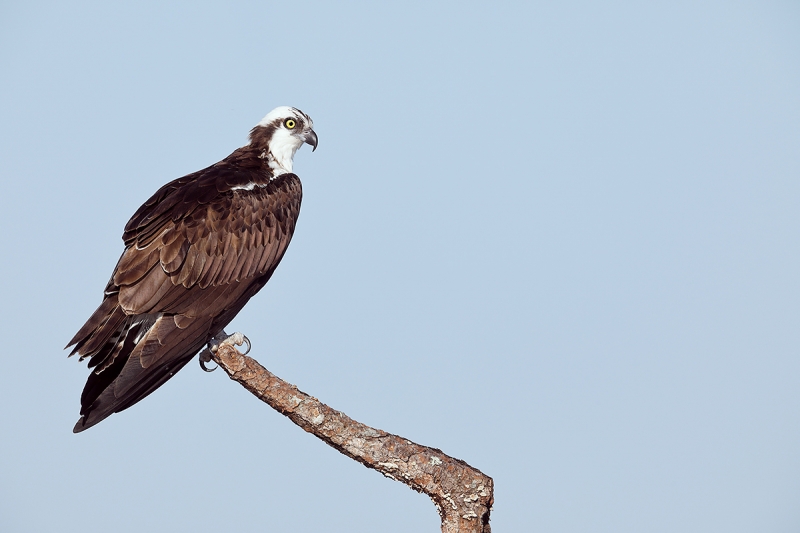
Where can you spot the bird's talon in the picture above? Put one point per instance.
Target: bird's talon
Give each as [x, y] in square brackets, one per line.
[205, 357]
[236, 339]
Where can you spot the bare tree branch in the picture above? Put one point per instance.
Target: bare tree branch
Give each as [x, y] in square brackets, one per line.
[463, 495]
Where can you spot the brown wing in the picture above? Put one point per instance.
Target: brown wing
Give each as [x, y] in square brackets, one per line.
[240, 236]
[195, 254]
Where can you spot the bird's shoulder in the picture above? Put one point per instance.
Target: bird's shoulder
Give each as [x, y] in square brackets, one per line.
[242, 181]
[222, 224]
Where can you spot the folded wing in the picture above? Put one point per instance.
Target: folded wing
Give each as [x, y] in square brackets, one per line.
[195, 253]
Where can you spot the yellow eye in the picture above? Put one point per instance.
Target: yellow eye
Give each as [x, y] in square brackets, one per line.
[290, 123]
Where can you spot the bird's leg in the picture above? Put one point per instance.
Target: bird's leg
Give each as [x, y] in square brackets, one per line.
[237, 339]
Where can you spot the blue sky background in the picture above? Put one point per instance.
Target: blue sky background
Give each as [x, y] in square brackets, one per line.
[556, 240]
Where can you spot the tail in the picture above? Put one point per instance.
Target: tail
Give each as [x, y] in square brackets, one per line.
[131, 356]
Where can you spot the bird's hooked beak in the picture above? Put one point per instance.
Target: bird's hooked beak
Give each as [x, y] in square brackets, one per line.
[310, 137]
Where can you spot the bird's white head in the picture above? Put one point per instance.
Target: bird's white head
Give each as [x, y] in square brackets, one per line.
[282, 132]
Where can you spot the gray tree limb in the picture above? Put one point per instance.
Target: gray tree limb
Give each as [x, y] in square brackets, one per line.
[462, 494]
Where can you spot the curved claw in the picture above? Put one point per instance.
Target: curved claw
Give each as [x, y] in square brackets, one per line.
[204, 358]
[205, 368]
[246, 341]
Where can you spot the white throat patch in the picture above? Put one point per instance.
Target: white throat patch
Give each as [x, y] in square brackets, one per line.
[284, 143]
[282, 148]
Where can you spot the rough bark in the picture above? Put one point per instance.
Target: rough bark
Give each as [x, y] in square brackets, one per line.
[462, 494]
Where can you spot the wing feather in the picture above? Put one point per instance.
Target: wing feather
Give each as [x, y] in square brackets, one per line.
[211, 269]
[240, 262]
[197, 268]
[171, 248]
[185, 273]
[103, 334]
[98, 318]
[196, 251]
[176, 263]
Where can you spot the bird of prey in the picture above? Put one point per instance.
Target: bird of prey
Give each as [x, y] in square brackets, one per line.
[195, 253]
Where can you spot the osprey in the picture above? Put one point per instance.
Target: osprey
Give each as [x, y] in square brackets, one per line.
[195, 253]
